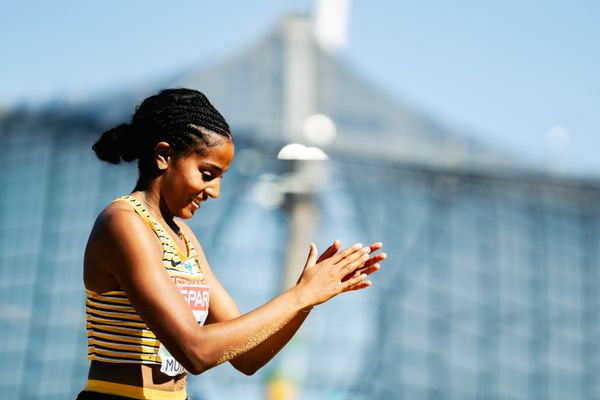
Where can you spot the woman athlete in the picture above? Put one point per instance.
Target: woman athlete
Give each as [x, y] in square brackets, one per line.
[149, 285]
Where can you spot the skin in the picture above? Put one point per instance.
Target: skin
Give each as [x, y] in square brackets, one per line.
[248, 341]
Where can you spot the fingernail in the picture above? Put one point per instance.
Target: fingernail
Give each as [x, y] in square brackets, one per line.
[357, 246]
[365, 257]
[384, 255]
[366, 250]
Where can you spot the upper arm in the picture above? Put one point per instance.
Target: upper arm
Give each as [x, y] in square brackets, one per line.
[222, 307]
[127, 249]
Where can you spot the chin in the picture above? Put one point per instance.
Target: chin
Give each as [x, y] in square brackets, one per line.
[185, 214]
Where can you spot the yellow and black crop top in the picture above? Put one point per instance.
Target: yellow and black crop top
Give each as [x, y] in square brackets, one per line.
[115, 331]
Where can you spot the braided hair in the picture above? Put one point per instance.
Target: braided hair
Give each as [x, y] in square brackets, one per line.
[183, 118]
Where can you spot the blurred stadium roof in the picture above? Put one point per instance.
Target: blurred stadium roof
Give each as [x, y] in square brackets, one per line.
[254, 89]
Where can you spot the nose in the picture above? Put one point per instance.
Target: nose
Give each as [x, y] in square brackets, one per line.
[214, 188]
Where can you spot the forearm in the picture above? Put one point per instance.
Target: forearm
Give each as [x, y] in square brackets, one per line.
[256, 358]
[203, 347]
[224, 341]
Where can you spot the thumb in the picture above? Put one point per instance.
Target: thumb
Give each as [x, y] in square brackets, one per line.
[312, 256]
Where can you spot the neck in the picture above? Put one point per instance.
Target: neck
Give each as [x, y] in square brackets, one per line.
[153, 201]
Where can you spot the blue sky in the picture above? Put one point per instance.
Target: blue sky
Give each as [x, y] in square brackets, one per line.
[519, 74]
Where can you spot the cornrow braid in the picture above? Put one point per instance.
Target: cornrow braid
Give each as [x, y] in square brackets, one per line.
[184, 118]
[207, 117]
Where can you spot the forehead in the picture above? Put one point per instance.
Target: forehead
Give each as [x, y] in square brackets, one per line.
[219, 155]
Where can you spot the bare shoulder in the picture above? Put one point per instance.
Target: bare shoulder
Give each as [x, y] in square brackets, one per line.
[118, 233]
[117, 219]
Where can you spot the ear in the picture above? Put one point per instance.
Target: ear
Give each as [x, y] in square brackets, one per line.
[163, 154]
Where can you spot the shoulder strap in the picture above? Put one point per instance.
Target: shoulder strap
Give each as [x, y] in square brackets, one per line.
[162, 234]
[139, 208]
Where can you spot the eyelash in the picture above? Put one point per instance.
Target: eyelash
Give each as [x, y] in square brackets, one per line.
[208, 176]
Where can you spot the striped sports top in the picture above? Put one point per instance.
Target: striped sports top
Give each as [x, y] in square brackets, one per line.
[115, 331]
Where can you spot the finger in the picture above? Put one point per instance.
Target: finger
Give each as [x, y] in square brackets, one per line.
[368, 270]
[355, 280]
[358, 286]
[355, 253]
[353, 262]
[375, 259]
[363, 270]
[346, 252]
[330, 251]
[312, 256]
[360, 256]
[376, 246]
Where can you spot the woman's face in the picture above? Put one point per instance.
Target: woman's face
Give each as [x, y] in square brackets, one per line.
[190, 180]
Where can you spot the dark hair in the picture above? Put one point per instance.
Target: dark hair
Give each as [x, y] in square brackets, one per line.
[183, 118]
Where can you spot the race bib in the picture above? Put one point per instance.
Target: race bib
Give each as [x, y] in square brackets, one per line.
[197, 296]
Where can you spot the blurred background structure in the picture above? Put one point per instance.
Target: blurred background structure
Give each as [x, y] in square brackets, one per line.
[491, 287]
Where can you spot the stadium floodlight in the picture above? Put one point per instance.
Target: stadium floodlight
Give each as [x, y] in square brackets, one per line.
[300, 152]
[331, 24]
[319, 129]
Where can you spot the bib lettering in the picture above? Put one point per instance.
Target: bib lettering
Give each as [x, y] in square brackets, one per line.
[197, 296]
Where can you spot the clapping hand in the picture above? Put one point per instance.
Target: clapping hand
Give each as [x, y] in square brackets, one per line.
[335, 272]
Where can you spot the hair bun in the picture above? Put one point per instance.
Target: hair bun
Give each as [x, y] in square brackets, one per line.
[117, 144]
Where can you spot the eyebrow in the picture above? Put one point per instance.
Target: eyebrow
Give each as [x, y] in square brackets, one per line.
[215, 166]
